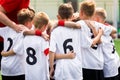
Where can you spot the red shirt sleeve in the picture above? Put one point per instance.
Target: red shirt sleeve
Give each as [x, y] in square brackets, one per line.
[10, 5]
[46, 51]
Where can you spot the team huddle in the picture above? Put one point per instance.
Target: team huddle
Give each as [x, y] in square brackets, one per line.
[67, 50]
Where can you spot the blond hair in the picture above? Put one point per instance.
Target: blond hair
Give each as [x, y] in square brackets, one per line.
[101, 12]
[88, 7]
[40, 19]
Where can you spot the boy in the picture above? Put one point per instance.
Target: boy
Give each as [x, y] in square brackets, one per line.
[111, 57]
[12, 67]
[92, 57]
[35, 51]
[64, 40]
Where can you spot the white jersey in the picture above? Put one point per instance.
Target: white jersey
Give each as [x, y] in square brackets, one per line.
[11, 65]
[62, 41]
[111, 57]
[36, 58]
[92, 57]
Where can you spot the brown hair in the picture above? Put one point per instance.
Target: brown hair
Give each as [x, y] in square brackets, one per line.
[101, 12]
[40, 19]
[65, 11]
[88, 7]
[25, 15]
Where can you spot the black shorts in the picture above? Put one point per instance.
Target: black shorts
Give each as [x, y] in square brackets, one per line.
[91, 74]
[1, 48]
[112, 78]
[19, 77]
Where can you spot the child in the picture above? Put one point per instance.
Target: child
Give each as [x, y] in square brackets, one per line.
[111, 58]
[64, 40]
[12, 67]
[92, 56]
[35, 51]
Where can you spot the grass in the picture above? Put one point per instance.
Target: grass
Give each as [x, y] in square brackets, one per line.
[117, 45]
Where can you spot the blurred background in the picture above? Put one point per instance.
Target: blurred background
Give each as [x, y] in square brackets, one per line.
[51, 6]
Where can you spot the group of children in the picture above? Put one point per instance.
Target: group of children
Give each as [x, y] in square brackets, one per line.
[82, 50]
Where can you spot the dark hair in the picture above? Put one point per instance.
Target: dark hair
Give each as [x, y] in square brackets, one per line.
[25, 15]
[65, 11]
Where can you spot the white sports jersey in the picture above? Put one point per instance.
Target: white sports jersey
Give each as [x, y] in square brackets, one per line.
[92, 57]
[11, 65]
[62, 41]
[111, 58]
[36, 58]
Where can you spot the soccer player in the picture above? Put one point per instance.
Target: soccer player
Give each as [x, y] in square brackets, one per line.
[66, 39]
[35, 50]
[92, 57]
[12, 67]
[111, 57]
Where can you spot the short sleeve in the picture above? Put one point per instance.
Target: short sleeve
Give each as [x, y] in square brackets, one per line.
[10, 5]
[19, 45]
[52, 42]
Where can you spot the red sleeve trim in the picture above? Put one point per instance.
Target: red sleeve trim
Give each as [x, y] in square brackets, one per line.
[38, 33]
[46, 51]
[61, 23]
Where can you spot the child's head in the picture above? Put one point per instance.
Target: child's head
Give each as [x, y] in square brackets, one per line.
[24, 16]
[100, 15]
[65, 11]
[87, 9]
[41, 20]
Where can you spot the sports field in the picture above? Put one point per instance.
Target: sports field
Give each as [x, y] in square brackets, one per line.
[117, 46]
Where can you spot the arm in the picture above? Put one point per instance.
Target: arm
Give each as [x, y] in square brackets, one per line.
[97, 38]
[68, 24]
[8, 53]
[37, 33]
[51, 62]
[6, 21]
[92, 27]
[69, 55]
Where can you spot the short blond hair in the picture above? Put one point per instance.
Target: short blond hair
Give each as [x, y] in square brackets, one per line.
[40, 19]
[88, 7]
[101, 12]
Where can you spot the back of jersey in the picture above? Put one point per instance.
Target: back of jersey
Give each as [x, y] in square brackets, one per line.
[62, 41]
[36, 60]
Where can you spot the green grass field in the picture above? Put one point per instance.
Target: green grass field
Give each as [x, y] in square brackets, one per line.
[117, 46]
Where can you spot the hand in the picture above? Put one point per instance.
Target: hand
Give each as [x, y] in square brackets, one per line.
[71, 55]
[19, 28]
[100, 31]
[90, 24]
[51, 72]
[2, 53]
[45, 35]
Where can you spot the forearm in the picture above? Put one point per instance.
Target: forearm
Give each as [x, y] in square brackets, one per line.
[29, 32]
[8, 53]
[96, 40]
[51, 59]
[6, 21]
[61, 56]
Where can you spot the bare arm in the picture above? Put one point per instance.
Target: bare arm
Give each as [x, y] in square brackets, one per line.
[8, 53]
[51, 62]
[6, 21]
[69, 55]
[97, 38]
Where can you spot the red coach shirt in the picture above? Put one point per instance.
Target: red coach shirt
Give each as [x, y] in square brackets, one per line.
[12, 7]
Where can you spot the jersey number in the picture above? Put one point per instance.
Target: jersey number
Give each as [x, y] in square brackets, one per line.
[65, 46]
[11, 42]
[31, 59]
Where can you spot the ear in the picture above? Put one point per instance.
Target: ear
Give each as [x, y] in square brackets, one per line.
[58, 17]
